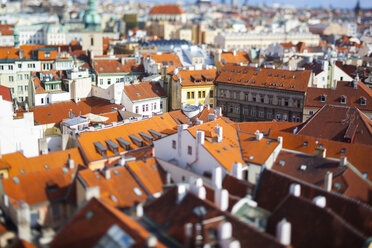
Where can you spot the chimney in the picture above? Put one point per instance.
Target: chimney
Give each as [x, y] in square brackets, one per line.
[107, 174]
[188, 234]
[283, 232]
[198, 122]
[217, 177]
[122, 161]
[237, 170]
[181, 192]
[320, 152]
[224, 230]
[328, 181]
[70, 162]
[280, 139]
[234, 52]
[212, 117]
[151, 241]
[23, 222]
[200, 137]
[218, 131]
[259, 135]
[200, 191]
[355, 82]
[343, 161]
[295, 189]
[218, 111]
[221, 199]
[320, 201]
[91, 192]
[139, 210]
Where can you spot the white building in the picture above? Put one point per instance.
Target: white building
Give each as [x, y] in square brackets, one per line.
[17, 134]
[145, 98]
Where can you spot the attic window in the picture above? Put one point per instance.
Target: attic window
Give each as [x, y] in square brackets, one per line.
[233, 70]
[255, 73]
[292, 86]
[88, 215]
[239, 80]
[343, 150]
[113, 198]
[363, 101]
[365, 175]
[123, 143]
[112, 146]
[146, 137]
[337, 185]
[138, 94]
[251, 157]
[283, 76]
[230, 79]
[277, 75]
[101, 149]
[136, 140]
[343, 99]
[253, 82]
[245, 72]
[171, 62]
[306, 143]
[247, 81]
[232, 146]
[117, 68]
[303, 167]
[270, 74]
[101, 68]
[116, 173]
[165, 63]
[281, 163]
[16, 180]
[323, 98]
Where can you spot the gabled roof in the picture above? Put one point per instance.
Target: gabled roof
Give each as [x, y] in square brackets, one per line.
[239, 57]
[19, 164]
[312, 224]
[227, 152]
[332, 96]
[93, 221]
[144, 90]
[40, 187]
[172, 215]
[5, 93]
[188, 77]
[273, 188]
[339, 123]
[171, 60]
[265, 77]
[256, 151]
[312, 169]
[120, 190]
[162, 124]
[115, 66]
[166, 9]
[56, 112]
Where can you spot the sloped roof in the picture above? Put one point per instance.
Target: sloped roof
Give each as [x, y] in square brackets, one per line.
[187, 77]
[144, 90]
[56, 112]
[166, 9]
[115, 66]
[333, 96]
[265, 126]
[5, 93]
[92, 221]
[339, 123]
[265, 77]
[230, 58]
[19, 164]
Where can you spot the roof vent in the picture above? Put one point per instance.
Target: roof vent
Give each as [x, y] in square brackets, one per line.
[303, 167]
[137, 191]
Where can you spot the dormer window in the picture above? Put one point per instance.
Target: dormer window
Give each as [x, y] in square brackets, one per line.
[323, 98]
[363, 101]
[343, 99]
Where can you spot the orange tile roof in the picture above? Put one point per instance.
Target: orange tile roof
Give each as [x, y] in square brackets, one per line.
[265, 77]
[39, 187]
[355, 153]
[41, 55]
[150, 173]
[256, 151]
[265, 126]
[171, 59]
[19, 164]
[114, 66]
[119, 190]
[167, 9]
[240, 57]
[332, 96]
[228, 151]
[95, 218]
[5, 93]
[56, 112]
[113, 117]
[188, 76]
[162, 124]
[144, 90]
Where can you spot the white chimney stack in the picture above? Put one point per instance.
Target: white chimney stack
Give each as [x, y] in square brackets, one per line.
[200, 137]
[237, 170]
[280, 139]
[259, 135]
[320, 201]
[224, 230]
[328, 181]
[151, 241]
[355, 82]
[283, 232]
[218, 131]
[343, 161]
[71, 164]
[107, 174]
[139, 211]
[295, 189]
[221, 199]
[217, 177]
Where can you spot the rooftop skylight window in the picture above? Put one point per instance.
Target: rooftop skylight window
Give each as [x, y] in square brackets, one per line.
[137, 191]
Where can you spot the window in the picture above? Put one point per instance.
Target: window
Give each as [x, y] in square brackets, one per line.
[234, 95]
[246, 97]
[253, 112]
[117, 80]
[1, 67]
[363, 101]
[91, 41]
[19, 65]
[211, 93]
[47, 54]
[20, 88]
[189, 150]
[42, 100]
[47, 99]
[26, 76]
[188, 95]
[143, 108]
[136, 109]
[343, 99]
[261, 114]
[109, 81]
[311, 112]
[322, 98]
[269, 115]
[20, 99]
[147, 107]
[10, 67]
[161, 105]
[11, 79]
[199, 94]
[154, 105]
[101, 81]
[12, 90]
[19, 76]
[245, 110]
[174, 144]
[192, 95]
